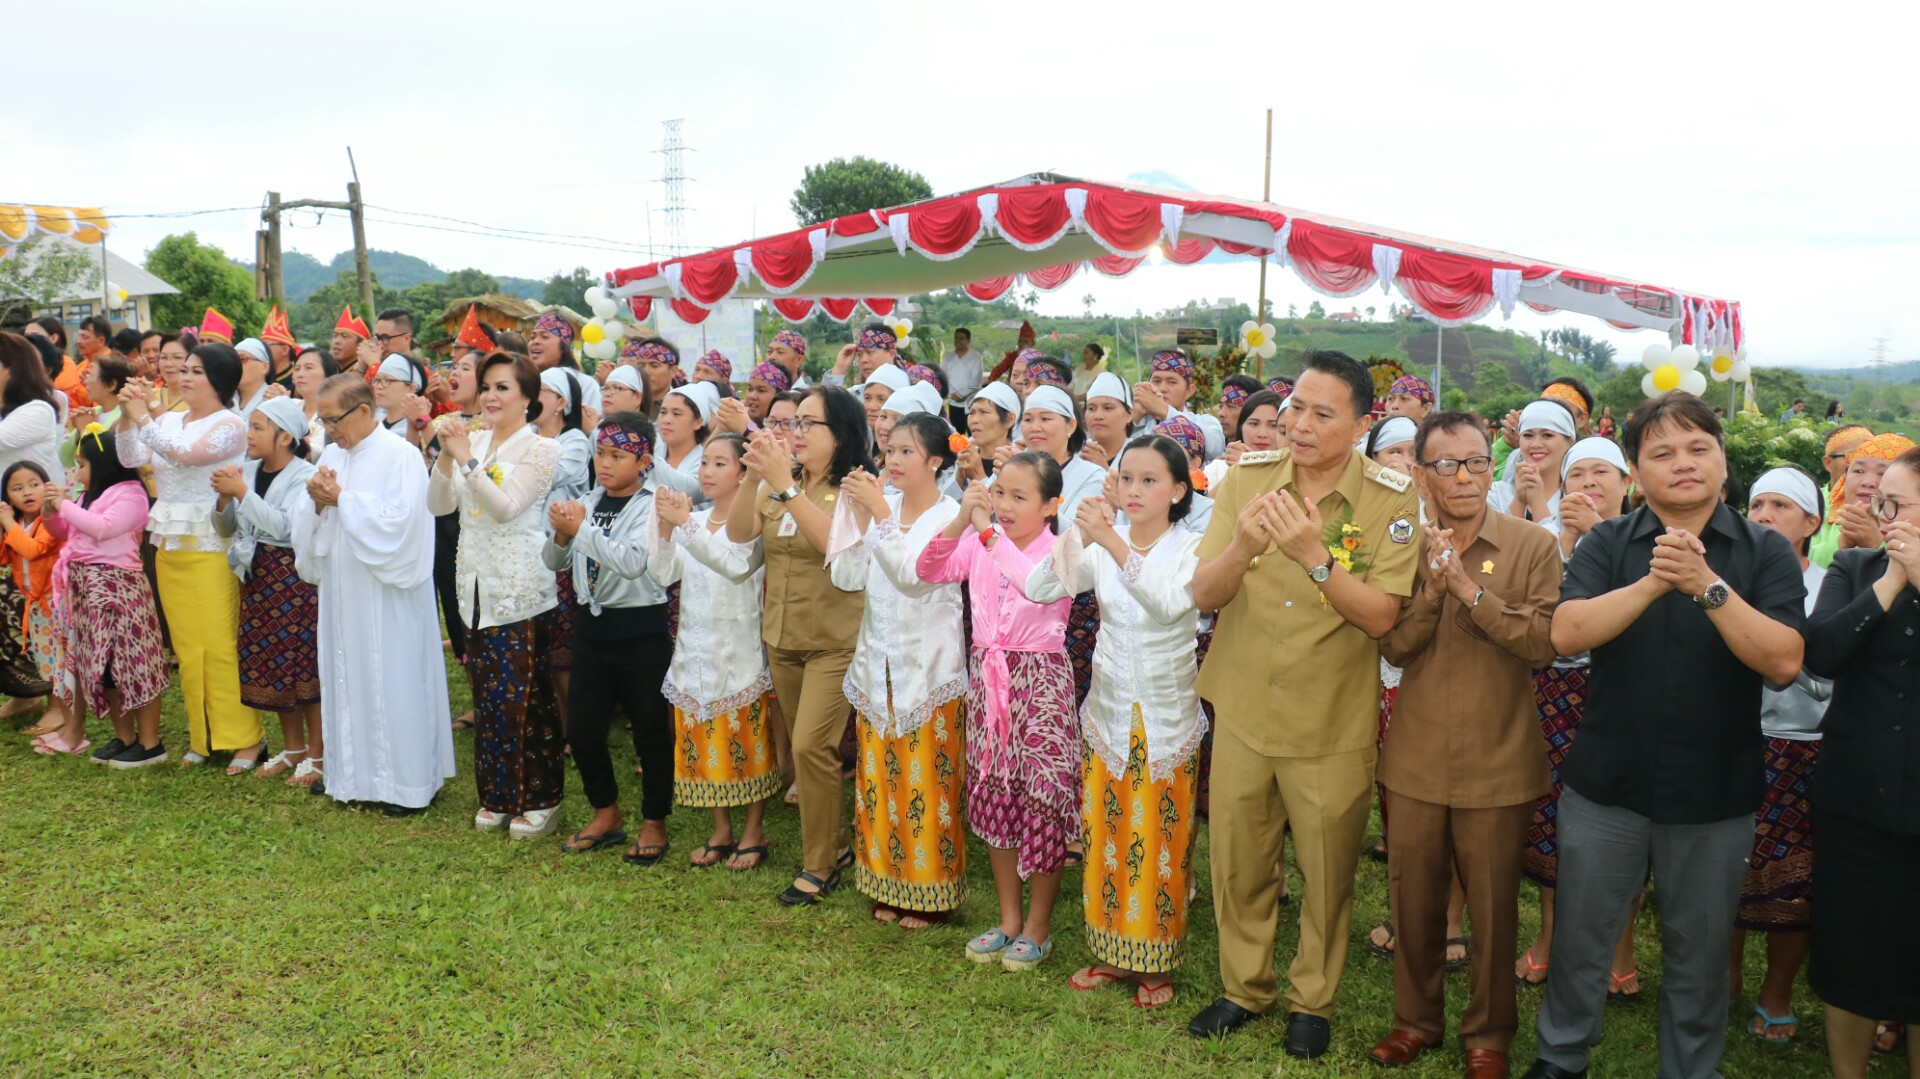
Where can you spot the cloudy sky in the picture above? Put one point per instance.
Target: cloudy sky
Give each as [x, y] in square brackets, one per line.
[1706, 147]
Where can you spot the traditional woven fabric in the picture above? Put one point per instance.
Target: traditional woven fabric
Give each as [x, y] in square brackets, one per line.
[1414, 386]
[1139, 859]
[725, 761]
[1561, 694]
[113, 636]
[279, 614]
[559, 656]
[1205, 785]
[910, 845]
[518, 759]
[791, 339]
[1028, 799]
[1083, 629]
[1778, 891]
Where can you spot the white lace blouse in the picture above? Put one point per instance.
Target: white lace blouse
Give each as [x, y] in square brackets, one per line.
[503, 526]
[183, 456]
[719, 662]
[912, 639]
[1144, 655]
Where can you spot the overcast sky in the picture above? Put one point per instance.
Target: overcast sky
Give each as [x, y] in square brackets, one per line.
[1708, 147]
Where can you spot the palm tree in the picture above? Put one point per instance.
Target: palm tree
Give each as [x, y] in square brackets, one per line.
[1087, 302]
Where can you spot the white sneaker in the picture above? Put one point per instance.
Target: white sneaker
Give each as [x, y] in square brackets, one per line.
[535, 823]
[488, 821]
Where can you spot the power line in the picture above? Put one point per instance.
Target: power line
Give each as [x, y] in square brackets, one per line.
[495, 228]
[625, 249]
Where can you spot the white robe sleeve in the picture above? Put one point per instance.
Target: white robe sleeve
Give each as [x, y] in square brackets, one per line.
[383, 521]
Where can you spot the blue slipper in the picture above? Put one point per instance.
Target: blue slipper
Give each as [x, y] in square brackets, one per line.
[1768, 1022]
[1024, 954]
[987, 947]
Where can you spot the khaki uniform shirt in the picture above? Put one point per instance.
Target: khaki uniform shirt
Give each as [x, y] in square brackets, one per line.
[804, 611]
[1286, 674]
[1466, 731]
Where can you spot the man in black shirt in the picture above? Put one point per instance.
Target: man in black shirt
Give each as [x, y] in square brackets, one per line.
[1686, 606]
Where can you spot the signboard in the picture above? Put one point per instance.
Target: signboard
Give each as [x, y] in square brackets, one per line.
[1196, 335]
[729, 329]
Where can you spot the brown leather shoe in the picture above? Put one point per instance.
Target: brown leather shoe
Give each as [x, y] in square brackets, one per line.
[1486, 1064]
[1398, 1049]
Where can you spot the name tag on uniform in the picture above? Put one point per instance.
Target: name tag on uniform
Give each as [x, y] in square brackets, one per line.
[788, 526]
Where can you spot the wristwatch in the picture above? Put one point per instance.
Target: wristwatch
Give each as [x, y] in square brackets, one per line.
[1320, 573]
[472, 463]
[792, 492]
[1715, 596]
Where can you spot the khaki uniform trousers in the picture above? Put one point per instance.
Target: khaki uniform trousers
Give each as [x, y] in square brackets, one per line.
[1327, 800]
[815, 709]
[1425, 844]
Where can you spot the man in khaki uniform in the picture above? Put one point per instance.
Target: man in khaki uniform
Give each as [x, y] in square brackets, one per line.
[1308, 555]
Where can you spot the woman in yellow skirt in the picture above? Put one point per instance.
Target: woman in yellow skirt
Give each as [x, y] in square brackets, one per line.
[1142, 720]
[198, 590]
[908, 678]
[718, 682]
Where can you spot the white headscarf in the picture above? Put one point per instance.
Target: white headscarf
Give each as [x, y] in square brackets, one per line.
[890, 375]
[1549, 416]
[398, 368]
[1051, 399]
[919, 397]
[1394, 431]
[1591, 448]
[286, 414]
[252, 347]
[1108, 384]
[704, 397]
[624, 375]
[1001, 395]
[1790, 484]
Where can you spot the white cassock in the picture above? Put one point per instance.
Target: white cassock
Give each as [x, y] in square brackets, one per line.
[383, 680]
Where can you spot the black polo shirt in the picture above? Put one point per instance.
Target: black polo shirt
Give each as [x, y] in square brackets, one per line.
[1672, 723]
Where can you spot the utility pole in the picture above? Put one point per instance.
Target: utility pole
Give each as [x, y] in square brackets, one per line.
[1266, 195]
[270, 272]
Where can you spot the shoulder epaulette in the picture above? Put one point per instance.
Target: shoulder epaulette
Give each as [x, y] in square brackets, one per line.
[1263, 457]
[1387, 477]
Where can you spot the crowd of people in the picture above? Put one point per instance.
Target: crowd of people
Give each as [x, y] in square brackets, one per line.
[1071, 615]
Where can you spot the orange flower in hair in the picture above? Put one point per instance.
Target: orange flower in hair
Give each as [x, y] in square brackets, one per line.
[958, 442]
[1197, 480]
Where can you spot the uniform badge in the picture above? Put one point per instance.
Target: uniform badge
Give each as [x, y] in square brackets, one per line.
[1401, 530]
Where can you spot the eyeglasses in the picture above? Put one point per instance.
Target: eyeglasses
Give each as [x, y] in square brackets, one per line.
[383, 338]
[335, 421]
[802, 425]
[1447, 466]
[779, 425]
[383, 380]
[1889, 508]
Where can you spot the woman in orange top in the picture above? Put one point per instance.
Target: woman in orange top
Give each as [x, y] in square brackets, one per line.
[30, 553]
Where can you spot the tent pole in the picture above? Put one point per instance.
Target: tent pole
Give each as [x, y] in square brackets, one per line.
[1439, 351]
[1266, 195]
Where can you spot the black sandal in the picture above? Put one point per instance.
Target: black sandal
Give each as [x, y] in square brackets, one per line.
[1465, 943]
[593, 842]
[845, 860]
[636, 856]
[795, 896]
[722, 852]
[1384, 951]
[1073, 859]
[759, 852]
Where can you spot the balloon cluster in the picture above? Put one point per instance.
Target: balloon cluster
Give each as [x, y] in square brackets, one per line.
[1729, 365]
[1257, 339]
[902, 332]
[600, 337]
[1669, 369]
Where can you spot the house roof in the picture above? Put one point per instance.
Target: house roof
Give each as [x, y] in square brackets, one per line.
[86, 286]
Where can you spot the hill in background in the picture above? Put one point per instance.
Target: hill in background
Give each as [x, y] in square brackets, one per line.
[396, 270]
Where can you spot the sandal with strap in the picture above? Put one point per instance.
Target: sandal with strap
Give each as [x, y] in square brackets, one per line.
[280, 763]
[1465, 944]
[309, 766]
[534, 823]
[758, 854]
[1384, 951]
[1768, 1022]
[241, 765]
[1883, 1028]
[720, 852]
[795, 896]
[1532, 969]
[1087, 979]
[1143, 993]
[1617, 991]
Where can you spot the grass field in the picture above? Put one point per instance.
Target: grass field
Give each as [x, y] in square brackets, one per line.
[169, 923]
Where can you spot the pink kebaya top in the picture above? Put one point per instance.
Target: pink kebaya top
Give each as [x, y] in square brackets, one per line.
[107, 532]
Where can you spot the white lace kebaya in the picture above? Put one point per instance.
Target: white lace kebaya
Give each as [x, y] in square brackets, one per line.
[183, 456]
[719, 661]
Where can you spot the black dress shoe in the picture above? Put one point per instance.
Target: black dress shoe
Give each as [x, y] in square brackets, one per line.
[1307, 1035]
[1223, 1016]
[1546, 1069]
[392, 810]
[317, 787]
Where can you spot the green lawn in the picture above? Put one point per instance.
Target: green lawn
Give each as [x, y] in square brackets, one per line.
[161, 923]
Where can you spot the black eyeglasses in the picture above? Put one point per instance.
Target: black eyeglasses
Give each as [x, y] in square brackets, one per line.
[335, 421]
[1889, 508]
[1447, 466]
[383, 338]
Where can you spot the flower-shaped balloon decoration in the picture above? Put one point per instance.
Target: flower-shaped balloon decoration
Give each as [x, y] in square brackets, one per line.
[600, 338]
[1721, 367]
[1257, 339]
[1670, 369]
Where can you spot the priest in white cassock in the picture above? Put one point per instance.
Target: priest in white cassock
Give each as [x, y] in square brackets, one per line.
[361, 531]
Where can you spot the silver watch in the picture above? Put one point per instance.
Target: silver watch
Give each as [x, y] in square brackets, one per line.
[1320, 573]
[1715, 597]
[792, 492]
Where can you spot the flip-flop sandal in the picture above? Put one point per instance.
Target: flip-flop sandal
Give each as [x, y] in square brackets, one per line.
[1881, 1030]
[1087, 979]
[1526, 980]
[1073, 859]
[1768, 1022]
[1616, 987]
[760, 856]
[845, 861]
[463, 723]
[721, 852]
[1384, 951]
[927, 919]
[1465, 961]
[638, 856]
[1142, 990]
[593, 842]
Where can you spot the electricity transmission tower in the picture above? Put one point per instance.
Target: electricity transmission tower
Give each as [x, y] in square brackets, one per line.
[674, 176]
[1880, 358]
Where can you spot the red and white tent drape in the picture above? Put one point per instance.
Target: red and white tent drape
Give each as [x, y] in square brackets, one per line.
[1043, 230]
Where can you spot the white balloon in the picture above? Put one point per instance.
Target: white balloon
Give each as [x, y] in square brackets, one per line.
[1694, 382]
[614, 329]
[1647, 387]
[1655, 355]
[1718, 375]
[1740, 370]
[1740, 353]
[602, 349]
[604, 308]
[1686, 357]
[595, 295]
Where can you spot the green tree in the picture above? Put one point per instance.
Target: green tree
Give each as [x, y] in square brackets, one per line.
[1491, 378]
[1314, 310]
[314, 319]
[570, 288]
[850, 186]
[206, 278]
[40, 271]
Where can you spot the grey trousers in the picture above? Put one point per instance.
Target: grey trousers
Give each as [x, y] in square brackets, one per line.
[1604, 853]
